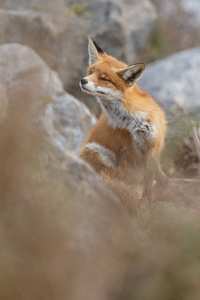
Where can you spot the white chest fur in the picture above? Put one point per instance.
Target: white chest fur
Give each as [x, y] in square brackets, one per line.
[142, 131]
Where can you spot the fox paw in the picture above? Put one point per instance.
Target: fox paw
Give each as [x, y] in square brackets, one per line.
[142, 139]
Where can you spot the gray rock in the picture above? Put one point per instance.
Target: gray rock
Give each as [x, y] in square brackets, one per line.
[62, 229]
[49, 6]
[60, 42]
[71, 122]
[125, 27]
[122, 24]
[32, 86]
[59, 35]
[63, 234]
[175, 80]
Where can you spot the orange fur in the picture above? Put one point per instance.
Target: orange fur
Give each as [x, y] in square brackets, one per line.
[134, 100]
[111, 138]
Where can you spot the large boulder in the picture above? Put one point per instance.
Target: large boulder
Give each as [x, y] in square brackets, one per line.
[30, 85]
[58, 32]
[64, 234]
[123, 26]
[175, 80]
[60, 41]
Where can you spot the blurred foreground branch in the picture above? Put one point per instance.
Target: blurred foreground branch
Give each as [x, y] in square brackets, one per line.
[196, 137]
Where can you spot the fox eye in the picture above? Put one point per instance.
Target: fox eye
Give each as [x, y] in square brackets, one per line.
[105, 79]
[89, 72]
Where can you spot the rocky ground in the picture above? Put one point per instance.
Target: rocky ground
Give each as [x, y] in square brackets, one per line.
[64, 234]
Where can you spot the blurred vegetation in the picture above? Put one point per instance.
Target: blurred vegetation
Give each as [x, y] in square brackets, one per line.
[37, 258]
[179, 156]
[156, 47]
[78, 10]
[168, 266]
[37, 7]
[175, 30]
[37, 261]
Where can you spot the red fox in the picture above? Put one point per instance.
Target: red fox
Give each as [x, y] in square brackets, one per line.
[130, 132]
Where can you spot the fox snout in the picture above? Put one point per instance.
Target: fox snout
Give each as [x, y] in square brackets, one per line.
[83, 81]
[87, 86]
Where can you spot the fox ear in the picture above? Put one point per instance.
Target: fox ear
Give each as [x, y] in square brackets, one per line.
[131, 74]
[94, 51]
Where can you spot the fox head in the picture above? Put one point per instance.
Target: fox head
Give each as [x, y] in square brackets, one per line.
[108, 78]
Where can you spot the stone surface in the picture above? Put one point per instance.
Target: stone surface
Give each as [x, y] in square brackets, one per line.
[122, 24]
[58, 32]
[63, 234]
[32, 86]
[125, 27]
[69, 236]
[175, 80]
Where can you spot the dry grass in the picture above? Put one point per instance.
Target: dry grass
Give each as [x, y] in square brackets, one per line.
[58, 239]
[175, 30]
[62, 242]
[37, 261]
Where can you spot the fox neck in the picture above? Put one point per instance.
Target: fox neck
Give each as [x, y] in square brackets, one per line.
[136, 123]
[120, 117]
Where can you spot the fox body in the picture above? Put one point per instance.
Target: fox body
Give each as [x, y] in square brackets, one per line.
[130, 132]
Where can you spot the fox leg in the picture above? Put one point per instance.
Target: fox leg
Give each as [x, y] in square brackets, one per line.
[101, 158]
[111, 167]
[144, 141]
[105, 160]
[143, 138]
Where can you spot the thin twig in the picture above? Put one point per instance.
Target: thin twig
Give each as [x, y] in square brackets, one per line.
[186, 180]
[196, 137]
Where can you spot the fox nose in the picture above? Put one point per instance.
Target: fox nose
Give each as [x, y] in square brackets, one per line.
[84, 81]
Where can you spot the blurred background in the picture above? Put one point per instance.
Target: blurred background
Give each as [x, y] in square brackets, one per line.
[64, 234]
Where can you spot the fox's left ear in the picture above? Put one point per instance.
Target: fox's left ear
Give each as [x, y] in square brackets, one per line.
[94, 51]
[131, 74]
